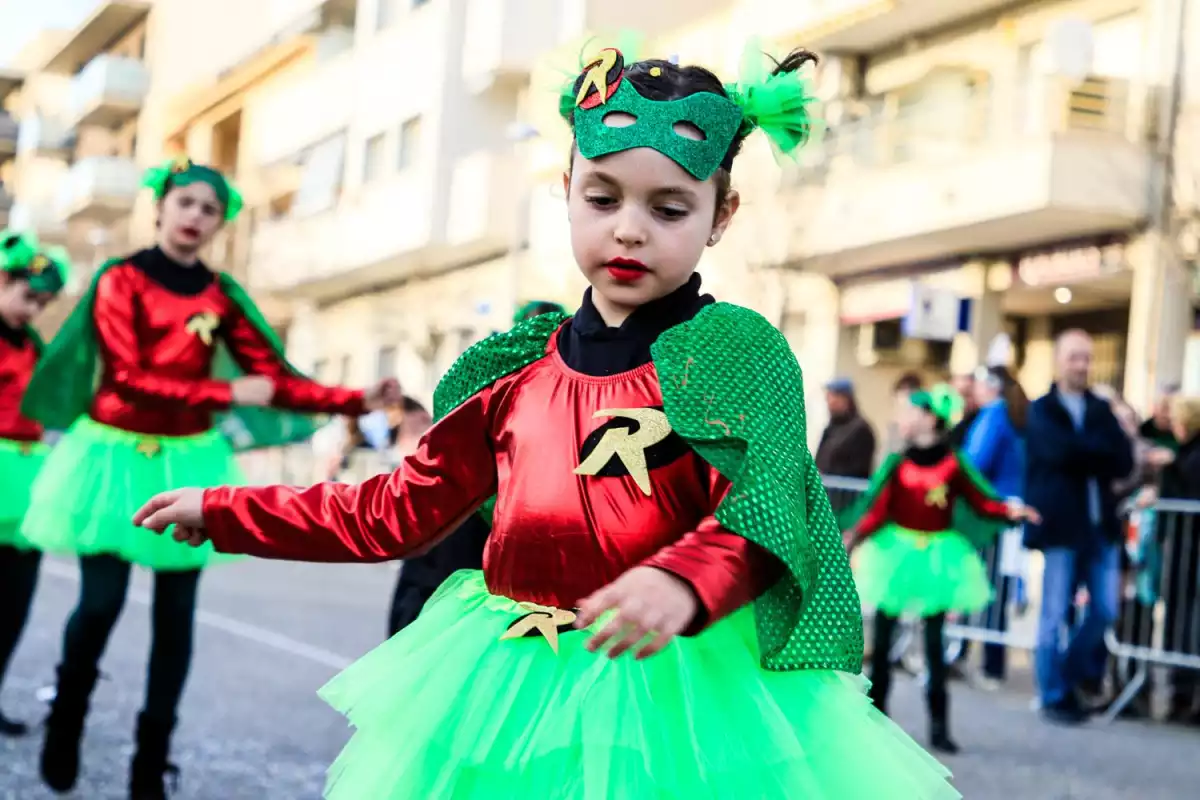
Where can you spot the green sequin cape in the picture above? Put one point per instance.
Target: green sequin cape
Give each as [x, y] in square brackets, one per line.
[732, 389]
[979, 530]
[65, 380]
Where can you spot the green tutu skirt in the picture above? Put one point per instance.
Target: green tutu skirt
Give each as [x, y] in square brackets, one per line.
[899, 571]
[97, 476]
[19, 465]
[446, 709]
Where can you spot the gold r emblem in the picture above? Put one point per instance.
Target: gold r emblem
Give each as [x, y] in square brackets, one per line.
[937, 496]
[653, 428]
[203, 325]
[543, 620]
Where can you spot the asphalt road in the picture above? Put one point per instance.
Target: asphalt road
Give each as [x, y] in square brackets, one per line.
[253, 728]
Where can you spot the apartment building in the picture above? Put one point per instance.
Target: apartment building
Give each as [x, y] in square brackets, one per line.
[74, 178]
[10, 81]
[1005, 153]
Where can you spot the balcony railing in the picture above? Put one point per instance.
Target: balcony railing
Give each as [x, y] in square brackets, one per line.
[108, 91]
[9, 130]
[102, 189]
[946, 131]
[39, 218]
[46, 136]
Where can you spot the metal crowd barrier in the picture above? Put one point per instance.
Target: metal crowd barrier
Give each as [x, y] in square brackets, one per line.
[1159, 620]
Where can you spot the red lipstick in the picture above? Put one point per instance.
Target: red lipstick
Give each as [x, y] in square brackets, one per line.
[626, 270]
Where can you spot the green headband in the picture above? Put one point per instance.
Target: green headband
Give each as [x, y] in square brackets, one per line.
[45, 270]
[941, 401]
[776, 103]
[182, 171]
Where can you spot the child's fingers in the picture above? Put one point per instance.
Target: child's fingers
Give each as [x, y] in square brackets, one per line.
[635, 630]
[144, 515]
[656, 645]
[160, 520]
[595, 604]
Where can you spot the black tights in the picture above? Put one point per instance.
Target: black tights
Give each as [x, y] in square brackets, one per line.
[18, 578]
[105, 582]
[935, 659]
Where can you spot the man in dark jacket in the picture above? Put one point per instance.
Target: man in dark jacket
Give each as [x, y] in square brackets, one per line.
[1075, 450]
[847, 447]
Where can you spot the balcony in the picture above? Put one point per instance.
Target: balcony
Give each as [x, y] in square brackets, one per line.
[108, 92]
[44, 136]
[503, 39]
[39, 218]
[110, 20]
[101, 190]
[6, 204]
[9, 130]
[482, 216]
[863, 26]
[970, 176]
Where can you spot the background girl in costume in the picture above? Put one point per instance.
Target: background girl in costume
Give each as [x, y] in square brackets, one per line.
[912, 560]
[29, 279]
[655, 498]
[176, 344]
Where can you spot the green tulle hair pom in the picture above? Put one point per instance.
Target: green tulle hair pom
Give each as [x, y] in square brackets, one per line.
[780, 104]
[182, 171]
[46, 269]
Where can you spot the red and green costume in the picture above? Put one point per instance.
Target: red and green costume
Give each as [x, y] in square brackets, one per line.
[923, 518]
[491, 693]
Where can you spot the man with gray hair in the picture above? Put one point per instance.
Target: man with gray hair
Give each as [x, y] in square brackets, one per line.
[1075, 451]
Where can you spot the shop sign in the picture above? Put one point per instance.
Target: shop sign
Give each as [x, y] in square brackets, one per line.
[1071, 264]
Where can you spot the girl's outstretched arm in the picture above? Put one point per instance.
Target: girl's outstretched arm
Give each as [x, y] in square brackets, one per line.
[389, 516]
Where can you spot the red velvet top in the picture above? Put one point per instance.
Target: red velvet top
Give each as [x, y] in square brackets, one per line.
[156, 346]
[18, 356]
[591, 483]
[921, 497]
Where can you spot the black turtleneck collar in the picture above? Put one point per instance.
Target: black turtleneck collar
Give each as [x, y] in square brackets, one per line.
[170, 274]
[14, 336]
[590, 346]
[928, 456]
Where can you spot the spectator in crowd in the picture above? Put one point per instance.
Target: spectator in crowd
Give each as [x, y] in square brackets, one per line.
[847, 447]
[1159, 428]
[1181, 584]
[995, 445]
[964, 386]
[1075, 450]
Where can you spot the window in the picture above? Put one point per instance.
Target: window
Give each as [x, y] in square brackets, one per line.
[321, 369]
[321, 176]
[344, 371]
[410, 140]
[385, 363]
[373, 157]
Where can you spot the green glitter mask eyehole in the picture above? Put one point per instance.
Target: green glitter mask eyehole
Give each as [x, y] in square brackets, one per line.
[653, 123]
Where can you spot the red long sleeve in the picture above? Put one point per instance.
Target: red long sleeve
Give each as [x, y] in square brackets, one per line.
[115, 314]
[877, 515]
[984, 505]
[255, 355]
[386, 517]
[725, 570]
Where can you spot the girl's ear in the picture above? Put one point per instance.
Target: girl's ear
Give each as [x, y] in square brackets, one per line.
[725, 213]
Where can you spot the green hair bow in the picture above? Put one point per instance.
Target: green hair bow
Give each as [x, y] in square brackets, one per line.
[182, 171]
[46, 269]
[941, 401]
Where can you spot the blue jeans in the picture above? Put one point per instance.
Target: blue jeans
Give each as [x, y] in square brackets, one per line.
[1058, 670]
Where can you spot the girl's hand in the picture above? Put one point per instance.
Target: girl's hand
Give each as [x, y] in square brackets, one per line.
[850, 540]
[1018, 511]
[253, 390]
[183, 508]
[648, 602]
[383, 394]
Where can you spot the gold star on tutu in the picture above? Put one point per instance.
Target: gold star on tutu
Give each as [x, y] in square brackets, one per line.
[149, 447]
[543, 620]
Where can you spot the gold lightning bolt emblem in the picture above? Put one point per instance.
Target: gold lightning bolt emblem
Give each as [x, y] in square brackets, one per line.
[596, 75]
[203, 325]
[181, 163]
[631, 448]
[937, 496]
[543, 620]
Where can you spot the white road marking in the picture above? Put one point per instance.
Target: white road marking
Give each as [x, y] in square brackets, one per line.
[233, 627]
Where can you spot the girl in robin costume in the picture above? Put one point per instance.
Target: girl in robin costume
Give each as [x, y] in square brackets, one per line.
[29, 280]
[665, 607]
[916, 555]
[163, 368]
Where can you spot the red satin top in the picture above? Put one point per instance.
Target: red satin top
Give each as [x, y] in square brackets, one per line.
[921, 498]
[156, 346]
[18, 356]
[557, 536]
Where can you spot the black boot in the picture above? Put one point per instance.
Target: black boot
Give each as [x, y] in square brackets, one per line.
[150, 771]
[12, 727]
[939, 725]
[64, 728]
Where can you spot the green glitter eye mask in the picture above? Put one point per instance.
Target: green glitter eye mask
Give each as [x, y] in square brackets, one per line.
[46, 270]
[697, 132]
